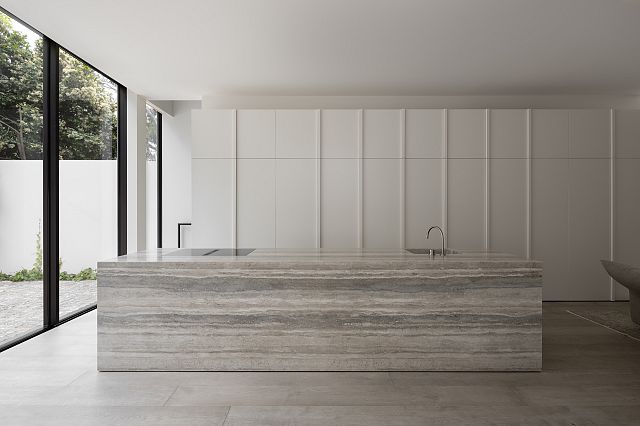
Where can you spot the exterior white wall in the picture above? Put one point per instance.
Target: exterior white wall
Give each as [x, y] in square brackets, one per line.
[88, 212]
[88, 203]
[20, 213]
[495, 179]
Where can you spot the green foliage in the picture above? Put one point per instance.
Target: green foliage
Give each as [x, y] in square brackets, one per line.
[37, 264]
[152, 133]
[26, 275]
[88, 107]
[86, 274]
[20, 95]
[88, 112]
[35, 273]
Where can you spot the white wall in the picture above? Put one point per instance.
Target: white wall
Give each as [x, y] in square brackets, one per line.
[176, 172]
[88, 213]
[151, 195]
[136, 172]
[20, 212]
[530, 182]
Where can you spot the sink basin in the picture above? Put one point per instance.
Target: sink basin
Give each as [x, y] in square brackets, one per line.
[628, 276]
[426, 251]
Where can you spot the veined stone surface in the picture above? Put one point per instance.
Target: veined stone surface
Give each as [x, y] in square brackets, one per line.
[310, 310]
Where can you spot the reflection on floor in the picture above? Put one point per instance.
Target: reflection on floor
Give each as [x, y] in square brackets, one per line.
[591, 376]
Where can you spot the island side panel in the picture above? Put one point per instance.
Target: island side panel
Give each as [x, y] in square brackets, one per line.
[160, 317]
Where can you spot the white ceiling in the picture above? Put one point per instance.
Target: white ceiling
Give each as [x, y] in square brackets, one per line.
[188, 48]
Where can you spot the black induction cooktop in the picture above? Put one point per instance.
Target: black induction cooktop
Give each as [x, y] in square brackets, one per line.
[209, 252]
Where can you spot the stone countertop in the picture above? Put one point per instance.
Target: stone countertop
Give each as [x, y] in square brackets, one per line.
[327, 259]
[320, 310]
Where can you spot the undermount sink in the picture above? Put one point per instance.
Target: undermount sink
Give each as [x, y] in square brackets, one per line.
[426, 251]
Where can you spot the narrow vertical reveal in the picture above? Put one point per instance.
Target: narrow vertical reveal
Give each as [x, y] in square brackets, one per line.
[318, 177]
[403, 132]
[487, 179]
[528, 195]
[275, 175]
[445, 173]
[612, 197]
[234, 181]
[360, 179]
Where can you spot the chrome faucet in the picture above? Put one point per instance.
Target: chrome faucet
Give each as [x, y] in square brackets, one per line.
[444, 250]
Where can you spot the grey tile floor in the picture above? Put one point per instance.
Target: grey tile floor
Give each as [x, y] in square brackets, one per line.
[591, 377]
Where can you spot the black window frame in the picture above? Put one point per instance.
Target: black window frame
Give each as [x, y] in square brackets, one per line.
[159, 180]
[51, 183]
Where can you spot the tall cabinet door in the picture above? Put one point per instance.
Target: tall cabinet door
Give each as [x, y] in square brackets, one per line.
[296, 133]
[550, 224]
[549, 199]
[424, 168]
[296, 178]
[296, 212]
[571, 201]
[213, 176]
[382, 203]
[212, 192]
[508, 206]
[256, 178]
[213, 133]
[256, 202]
[589, 224]
[508, 181]
[627, 195]
[589, 203]
[466, 133]
[256, 133]
[382, 179]
[339, 186]
[423, 200]
[466, 177]
[627, 214]
[465, 200]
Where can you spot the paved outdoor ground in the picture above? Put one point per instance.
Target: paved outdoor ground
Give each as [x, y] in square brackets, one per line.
[21, 304]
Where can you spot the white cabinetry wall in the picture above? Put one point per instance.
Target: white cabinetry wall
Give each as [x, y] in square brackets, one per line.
[556, 185]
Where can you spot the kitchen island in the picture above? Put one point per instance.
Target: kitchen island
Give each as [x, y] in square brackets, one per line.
[319, 310]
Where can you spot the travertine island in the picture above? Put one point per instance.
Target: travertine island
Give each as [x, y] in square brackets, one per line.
[328, 310]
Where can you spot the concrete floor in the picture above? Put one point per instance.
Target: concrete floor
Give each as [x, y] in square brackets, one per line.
[591, 377]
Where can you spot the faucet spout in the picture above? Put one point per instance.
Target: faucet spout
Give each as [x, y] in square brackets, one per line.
[444, 250]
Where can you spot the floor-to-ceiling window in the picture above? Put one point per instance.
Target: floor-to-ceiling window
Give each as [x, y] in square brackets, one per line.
[153, 178]
[21, 93]
[88, 149]
[62, 180]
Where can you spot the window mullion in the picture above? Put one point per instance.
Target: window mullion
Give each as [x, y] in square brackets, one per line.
[51, 183]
